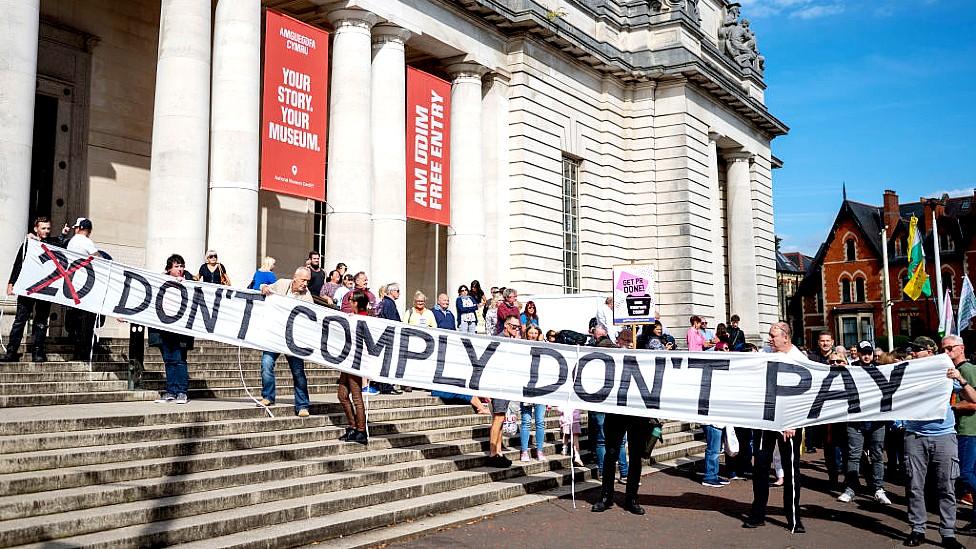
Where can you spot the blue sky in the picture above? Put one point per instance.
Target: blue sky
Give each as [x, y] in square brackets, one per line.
[878, 94]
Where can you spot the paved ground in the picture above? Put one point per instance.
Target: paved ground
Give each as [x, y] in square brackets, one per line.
[683, 513]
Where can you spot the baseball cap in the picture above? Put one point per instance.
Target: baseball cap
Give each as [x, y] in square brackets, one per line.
[924, 343]
[865, 348]
[83, 223]
[593, 323]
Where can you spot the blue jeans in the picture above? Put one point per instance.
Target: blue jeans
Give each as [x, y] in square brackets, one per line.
[297, 366]
[539, 411]
[868, 436]
[601, 450]
[713, 447]
[177, 374]
[967, 463]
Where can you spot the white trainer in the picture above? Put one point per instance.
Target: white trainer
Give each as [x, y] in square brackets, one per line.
[881, 497]
[847, 496]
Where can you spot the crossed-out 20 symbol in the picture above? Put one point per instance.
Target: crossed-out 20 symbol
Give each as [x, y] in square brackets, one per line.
[65, 272]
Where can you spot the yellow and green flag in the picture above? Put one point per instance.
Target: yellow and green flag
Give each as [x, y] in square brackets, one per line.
[918, 281]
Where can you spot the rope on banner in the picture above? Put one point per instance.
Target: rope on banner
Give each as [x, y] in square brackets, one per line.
[240, 367]
[572, 436]
[91, 350]
[4, 347]
[365, 405]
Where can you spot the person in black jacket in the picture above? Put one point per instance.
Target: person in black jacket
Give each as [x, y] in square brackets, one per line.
[173, 347]
[27, 305]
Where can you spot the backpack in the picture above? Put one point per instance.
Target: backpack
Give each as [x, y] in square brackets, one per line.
[510, 427]
[569, 337]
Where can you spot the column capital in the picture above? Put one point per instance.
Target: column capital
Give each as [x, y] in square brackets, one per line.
[739, 156]
[388, 33]
[466, 69]
[714, 136]
[354, 18]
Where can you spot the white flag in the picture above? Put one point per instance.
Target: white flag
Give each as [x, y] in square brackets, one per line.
[947, 322]
[967, 304]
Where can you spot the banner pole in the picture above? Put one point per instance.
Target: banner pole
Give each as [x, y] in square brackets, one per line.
[887, 290]
[437, 259]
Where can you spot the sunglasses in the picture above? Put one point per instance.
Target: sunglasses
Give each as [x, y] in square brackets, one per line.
[949, 348]
[838, 362]
[513, 325]
[211, 257]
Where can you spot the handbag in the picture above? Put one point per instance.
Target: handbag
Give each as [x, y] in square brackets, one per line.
[224, 279]
[510, 427]
[730, 441]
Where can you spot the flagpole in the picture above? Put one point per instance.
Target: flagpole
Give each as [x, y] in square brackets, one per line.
[887, 289]
[938, 265]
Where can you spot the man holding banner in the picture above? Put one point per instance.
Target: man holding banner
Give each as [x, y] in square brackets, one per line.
[296, 288]
[780, 337]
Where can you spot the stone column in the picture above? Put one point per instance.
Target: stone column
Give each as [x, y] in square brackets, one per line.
[389, 97]
[742, 249]
[234, 133]
[349, 226]
[466, 236]
[18, 73]
[495, 131]
[716, 230]
[177, 220]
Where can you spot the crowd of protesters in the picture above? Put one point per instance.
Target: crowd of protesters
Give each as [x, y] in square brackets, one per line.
[909, 452]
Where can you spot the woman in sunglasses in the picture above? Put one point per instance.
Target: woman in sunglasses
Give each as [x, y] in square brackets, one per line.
[213, 271]
[467, 308]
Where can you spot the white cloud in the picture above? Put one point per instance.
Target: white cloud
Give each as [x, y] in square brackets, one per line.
[952, 193]
[803, 9]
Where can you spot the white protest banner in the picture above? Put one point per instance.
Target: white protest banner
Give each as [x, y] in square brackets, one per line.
[765, 391]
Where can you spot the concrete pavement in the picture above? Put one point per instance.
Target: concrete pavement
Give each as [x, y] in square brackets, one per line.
[682, 513]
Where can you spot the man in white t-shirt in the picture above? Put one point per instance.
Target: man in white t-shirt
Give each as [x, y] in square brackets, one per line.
[81, 324]
[765, 442]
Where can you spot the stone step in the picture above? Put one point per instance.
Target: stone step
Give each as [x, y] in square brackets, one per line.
[284, 420]
[281, 380]
[217, 371]
[59, 376]
[19, 468]
[412, 529]
[61, 387]
[56, 399]
[74, 366]
[84, 418]
[440, 491]
[182, 496]
[225, 393]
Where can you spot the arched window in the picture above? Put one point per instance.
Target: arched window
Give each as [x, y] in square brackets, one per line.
[947, 282]
[901, 246]
[859, 290]
[845, 290]
[849, 250]
[902, 280]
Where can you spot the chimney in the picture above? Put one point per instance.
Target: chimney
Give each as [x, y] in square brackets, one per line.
[891, 212]
[940, 205]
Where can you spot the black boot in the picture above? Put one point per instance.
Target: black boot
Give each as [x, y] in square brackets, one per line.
[358, 437]
[39, 357]
[345, 437]
[606, 502]
[631, 505]
[9, 357]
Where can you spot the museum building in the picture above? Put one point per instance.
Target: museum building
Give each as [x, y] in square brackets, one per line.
[584, 134]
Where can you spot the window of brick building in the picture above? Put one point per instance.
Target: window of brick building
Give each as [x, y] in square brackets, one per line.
[845, 291]
[849, 250]
[859, 291]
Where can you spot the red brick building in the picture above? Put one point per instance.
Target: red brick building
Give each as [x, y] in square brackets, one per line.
[842, 291]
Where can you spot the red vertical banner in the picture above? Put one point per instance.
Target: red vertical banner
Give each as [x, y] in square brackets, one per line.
[294, 106]
[428, 148]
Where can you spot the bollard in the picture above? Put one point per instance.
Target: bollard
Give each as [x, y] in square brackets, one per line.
[137, 355]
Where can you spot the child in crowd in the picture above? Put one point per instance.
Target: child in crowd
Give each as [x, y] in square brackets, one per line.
[569, 421]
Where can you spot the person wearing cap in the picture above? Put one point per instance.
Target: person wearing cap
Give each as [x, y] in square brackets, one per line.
[861, 434]
[81, 324]
[932, 447]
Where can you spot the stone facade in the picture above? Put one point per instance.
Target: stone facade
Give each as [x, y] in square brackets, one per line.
[666, 124]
